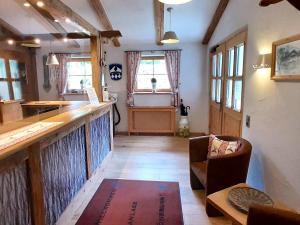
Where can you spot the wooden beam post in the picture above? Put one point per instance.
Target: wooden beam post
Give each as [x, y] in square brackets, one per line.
[159, 12]
[103, 18]
[8, 31]
[215, 20]
[36, 184]
[96, 68]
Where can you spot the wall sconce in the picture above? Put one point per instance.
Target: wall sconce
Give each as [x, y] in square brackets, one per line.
[264, 61]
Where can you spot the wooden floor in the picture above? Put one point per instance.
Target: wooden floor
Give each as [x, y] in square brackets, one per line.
[147, 158]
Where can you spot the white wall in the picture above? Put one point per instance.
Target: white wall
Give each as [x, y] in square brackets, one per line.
[273, 106]
[194, 83]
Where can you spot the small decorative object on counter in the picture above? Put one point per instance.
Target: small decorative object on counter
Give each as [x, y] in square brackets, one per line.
[153, 82]
[105, 93]
[184, 127]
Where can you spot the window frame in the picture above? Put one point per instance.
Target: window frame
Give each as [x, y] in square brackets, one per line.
[77, 59]
[9, 79]
[158, 91]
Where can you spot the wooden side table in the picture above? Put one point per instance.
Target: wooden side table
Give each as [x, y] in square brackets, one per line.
[220, 201]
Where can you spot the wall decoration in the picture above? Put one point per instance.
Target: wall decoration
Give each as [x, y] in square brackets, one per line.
[286, 59]
[115, 71]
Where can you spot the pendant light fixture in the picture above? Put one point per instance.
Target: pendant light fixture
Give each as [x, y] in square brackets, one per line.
[51, 59]
[175, 2]
[170, 36]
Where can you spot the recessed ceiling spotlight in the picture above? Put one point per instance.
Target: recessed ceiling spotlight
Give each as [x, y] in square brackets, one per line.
[40, 3]
[67, 20]
[56, 20]
[175, 2]
[26, 4]
[37, 40]
[10, 41]
[76, 31]
[65, 39]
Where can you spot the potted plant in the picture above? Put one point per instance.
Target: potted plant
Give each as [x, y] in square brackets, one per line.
[82, 84]
[153, 82]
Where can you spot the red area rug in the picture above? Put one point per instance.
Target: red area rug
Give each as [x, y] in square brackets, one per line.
[128, 202]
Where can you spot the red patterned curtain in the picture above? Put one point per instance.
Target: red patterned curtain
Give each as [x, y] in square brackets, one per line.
[173, 68]
[133, 61]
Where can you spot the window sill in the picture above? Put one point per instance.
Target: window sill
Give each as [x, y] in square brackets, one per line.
[73, 93]
[153, 93]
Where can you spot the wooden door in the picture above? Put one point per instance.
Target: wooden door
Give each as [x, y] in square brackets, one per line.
[216, 90]
[234, 85]
[227, 87]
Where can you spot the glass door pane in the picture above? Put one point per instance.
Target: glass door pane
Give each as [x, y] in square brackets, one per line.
[219, 88]
[229, 93]
[240, 60]
[17, 88]
[230, 62]
[220, 63]
[213, 90]
[2, 69]
[237, 100]
[4, 90]
[214, 66]
[14, 69]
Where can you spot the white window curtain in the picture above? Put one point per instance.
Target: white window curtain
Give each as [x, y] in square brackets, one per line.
[173, 68]
[133, 61]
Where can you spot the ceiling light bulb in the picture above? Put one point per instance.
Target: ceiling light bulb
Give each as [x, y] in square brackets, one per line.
[65, 39]
[26, 4]
[57, 21]
[68, 20]
[37, 41]
[175, 2]
[10, 42]
[40, 4]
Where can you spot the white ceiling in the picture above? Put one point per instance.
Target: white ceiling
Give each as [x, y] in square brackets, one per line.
[134, 18]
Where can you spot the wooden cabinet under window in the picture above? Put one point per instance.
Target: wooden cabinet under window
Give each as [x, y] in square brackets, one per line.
[152, 120]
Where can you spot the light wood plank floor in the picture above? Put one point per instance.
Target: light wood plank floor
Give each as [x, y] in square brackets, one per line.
[147, 158]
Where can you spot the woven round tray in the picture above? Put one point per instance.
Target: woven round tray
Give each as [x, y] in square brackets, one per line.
[243, 197]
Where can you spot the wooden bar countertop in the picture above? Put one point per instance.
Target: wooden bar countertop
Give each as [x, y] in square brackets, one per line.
[57, 122]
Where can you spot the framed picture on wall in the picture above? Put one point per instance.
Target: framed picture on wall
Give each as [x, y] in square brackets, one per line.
[286, 59]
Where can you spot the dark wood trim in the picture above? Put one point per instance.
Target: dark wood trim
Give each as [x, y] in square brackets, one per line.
[36, 182]
[159, 11]
[87, 128]
[13, 161]
[215, 21]
[99, 10]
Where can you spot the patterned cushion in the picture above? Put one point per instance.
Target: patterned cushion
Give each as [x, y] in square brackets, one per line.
[219, 147]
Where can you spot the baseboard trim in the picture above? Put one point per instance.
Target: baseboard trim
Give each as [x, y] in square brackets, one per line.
[125, 133]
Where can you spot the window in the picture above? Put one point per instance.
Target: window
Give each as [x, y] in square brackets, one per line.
[10, 83]
[79, 74]
[154, 66]
[216, 85]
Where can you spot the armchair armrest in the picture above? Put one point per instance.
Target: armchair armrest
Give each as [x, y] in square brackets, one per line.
[227, 170]
[198, 148]
[258, 215]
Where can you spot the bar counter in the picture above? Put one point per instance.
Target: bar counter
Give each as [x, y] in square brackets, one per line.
[46, 159]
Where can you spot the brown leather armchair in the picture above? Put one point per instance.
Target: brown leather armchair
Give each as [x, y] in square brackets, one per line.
[219, 172]
[261, 215]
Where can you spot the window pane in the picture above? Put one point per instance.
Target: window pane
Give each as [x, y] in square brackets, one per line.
[240, 60]
[230, 62]
[213, 90]
[220, 61]
[162, 82]
[17, 88]
[146, 67]
[160, 67]
[144, 81]
[79, 68]
[4, 90]
[214, 66]
[238, 87]
[229, 93]
[219, 85]
[2, 69]
[14, 68]
[78, 82]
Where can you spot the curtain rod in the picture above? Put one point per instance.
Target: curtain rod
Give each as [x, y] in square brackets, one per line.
[163, 50]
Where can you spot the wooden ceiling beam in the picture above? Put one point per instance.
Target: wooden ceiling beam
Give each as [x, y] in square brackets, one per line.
[159, 11]
[215, 21]
[61, 11]
[103, 18]
[8, 31]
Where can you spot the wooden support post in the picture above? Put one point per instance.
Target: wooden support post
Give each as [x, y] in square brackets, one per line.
[87, 128]
[36, 184]
[96, 68]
